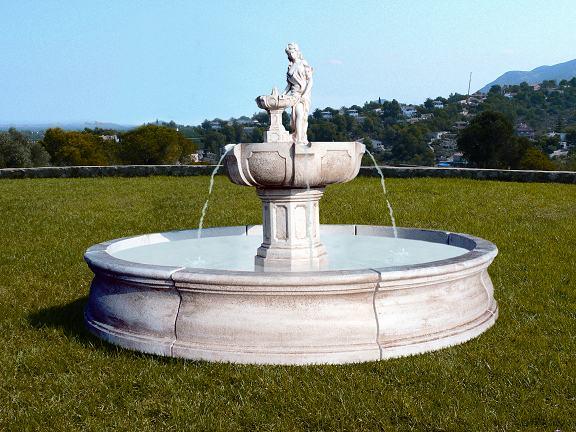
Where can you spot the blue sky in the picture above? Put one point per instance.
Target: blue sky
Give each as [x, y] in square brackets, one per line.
[134, 61]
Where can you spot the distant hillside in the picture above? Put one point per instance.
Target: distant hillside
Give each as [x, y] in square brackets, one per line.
[66, 126]
[560, 71]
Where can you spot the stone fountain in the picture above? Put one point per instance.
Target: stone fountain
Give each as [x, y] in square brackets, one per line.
[308, 293]
[290, 178]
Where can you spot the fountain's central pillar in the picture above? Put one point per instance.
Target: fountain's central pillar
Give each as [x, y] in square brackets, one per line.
[291, 225]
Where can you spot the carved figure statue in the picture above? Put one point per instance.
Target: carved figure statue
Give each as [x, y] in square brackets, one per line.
[299, 86]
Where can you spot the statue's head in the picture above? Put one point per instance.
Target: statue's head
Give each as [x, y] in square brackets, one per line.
[293, 51]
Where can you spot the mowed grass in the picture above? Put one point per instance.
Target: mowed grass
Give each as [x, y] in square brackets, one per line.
[518, 376]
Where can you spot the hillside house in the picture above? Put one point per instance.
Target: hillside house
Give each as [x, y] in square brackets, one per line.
[408, 111]
[110, 138]
[523, 130]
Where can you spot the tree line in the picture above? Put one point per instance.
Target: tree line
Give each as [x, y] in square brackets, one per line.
[489, 142]
[146, 145]
[553, 106]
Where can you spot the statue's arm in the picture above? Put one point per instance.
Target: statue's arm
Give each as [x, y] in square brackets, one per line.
[309, 82]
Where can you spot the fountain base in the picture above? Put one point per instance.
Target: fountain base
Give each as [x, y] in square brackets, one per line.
[332, 316]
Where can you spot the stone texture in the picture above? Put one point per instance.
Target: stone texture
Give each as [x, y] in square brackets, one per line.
[275, 105]
[292, 317]
[291, 235]
[290, 321]
[288, 165]
[130, 304]
[290, 179]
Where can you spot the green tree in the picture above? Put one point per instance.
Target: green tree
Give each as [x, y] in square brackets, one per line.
[13, 153]
[257, 135]
[571, 137]
[512, 154]
[534, 159]
[75, 148]
[214, 141]
[391, 111]
[486, 141]
[495, 89]
[154, 145]
[324, 131]
[409, 145]
[39, 157]
[16, 151]
[262, 117]
[548, 144]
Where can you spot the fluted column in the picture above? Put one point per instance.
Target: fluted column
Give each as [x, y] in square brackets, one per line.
[291, 225]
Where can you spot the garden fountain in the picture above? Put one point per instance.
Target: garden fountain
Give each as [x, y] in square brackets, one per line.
[308, 293]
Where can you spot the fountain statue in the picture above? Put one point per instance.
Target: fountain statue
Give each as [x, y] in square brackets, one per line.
[299, 87]
[290, 175]
[311, 293]
[296, 95]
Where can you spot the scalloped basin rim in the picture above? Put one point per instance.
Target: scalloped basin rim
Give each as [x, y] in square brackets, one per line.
[479, 251]
[289, 165]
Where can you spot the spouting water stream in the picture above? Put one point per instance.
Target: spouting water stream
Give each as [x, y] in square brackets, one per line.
[205, 207]
[308, 207]
[383, 183]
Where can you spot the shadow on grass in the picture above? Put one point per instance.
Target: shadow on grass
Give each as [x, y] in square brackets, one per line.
[68, 317]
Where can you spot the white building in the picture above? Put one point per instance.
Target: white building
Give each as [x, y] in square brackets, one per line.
[408, 110]
[110, 138]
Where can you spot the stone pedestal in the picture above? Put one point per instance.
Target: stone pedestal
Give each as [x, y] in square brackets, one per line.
[290, 180]
[291, 227]
[276, 132]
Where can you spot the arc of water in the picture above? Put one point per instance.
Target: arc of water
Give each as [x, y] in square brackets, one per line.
[308, 207]
[210, 188]
[383, 183]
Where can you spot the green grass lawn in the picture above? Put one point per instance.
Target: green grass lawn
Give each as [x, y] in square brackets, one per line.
[519, 375]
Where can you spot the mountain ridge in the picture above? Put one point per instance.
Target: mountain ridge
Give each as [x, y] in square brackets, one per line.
[565, 70]
[79, 125]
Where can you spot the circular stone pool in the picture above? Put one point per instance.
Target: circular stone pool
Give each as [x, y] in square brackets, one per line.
[380, 297]
[346, 252]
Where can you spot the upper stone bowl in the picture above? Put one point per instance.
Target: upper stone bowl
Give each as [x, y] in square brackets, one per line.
[275, 101]
[289, 165]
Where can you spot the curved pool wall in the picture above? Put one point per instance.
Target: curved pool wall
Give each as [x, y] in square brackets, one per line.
[338, 316]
